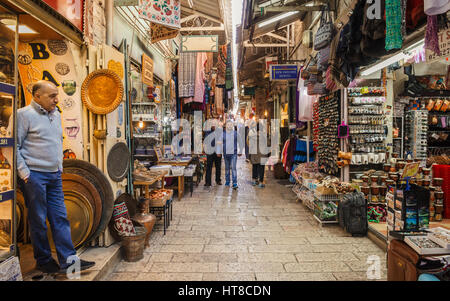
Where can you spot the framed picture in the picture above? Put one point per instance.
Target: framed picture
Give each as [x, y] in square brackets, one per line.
[158, 152]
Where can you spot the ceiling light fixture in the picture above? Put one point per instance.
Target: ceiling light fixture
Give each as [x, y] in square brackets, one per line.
[277, 18]
[405, 54]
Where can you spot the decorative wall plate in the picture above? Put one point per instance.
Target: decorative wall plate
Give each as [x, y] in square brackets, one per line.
[102, 91]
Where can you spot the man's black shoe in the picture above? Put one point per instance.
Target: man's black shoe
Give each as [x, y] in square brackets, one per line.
[207, 185]
[48, 268]
[84, 265]
[219, 183]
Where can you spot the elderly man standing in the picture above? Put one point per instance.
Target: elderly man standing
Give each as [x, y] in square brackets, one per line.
[39, 165]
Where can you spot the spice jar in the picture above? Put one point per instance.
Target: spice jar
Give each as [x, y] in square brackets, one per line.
[365, 190]
[419, 182]
[401, 164]
[374, 179]
[426, 171]
[394, 155]
[383, 179]
[389, 182]
[375, 190]
[365, 179]
[409, 160]
[383, 190]
[426, 182]
[438, 181]
[386, 167]
[412, 180]
[439, 195]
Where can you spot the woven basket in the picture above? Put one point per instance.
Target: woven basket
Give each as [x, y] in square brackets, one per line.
[133, 246]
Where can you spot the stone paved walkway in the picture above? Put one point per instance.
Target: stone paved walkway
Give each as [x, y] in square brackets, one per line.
[249, 234]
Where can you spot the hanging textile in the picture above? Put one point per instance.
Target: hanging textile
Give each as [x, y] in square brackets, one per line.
[431, 35]
[186, 74]
[200, 77]
[218, 99]
[221, 65]
[229, 70]
[394, 39]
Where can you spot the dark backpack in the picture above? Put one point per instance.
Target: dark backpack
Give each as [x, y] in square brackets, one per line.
[352, 214]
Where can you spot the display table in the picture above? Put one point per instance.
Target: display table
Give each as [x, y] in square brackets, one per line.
[183, 163]
[146, 184]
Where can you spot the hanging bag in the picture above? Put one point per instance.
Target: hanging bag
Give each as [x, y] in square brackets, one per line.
[324, 56]
[325, 33]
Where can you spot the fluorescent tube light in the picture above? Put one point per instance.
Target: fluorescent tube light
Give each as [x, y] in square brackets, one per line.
[22, 29]
[407, 53]
[191, 3]
[276, 18]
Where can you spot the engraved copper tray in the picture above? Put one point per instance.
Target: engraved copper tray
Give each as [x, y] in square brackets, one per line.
[102, 91]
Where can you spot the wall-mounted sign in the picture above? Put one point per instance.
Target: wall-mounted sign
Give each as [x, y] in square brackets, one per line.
[283, 72]
[208, 43]
[164, 12]
[72, 10]
[160, 32]
[147, 70]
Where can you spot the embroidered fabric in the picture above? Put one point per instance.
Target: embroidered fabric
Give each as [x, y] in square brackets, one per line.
[431, 35]
[186, 81]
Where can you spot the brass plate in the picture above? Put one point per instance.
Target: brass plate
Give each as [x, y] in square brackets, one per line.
[80, 215]
[102, 91]
[74, 182]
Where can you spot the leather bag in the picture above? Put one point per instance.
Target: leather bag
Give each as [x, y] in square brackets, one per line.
[326, 30]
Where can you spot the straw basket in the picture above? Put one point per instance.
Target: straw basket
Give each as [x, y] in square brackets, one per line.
[133, 246]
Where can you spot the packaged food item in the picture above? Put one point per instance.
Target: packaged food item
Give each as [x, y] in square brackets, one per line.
[445, 106]
[438, 104]
[430, 104]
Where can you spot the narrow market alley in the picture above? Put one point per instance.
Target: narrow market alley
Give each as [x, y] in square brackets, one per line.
[221, 234]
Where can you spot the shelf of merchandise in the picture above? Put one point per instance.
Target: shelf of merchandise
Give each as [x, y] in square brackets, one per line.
[144, 104]
[145, 117]
[321, 222]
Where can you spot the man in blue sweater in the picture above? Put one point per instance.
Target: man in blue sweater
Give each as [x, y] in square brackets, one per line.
[231, 142]
[39, 165]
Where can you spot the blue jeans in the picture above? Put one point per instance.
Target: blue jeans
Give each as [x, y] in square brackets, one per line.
[230, 163]
[44, 199]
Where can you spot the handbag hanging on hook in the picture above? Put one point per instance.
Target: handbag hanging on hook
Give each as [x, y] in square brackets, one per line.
[326, 30]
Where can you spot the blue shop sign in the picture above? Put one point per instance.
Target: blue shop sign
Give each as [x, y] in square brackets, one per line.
[283, 72]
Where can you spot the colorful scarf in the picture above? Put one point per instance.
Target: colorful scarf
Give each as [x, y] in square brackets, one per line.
[394, 39]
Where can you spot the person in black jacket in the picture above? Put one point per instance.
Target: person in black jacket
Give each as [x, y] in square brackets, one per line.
[214, 158]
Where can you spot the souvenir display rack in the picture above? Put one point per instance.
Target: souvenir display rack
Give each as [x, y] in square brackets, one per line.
[366, 120]
[416, 128]
[7, 174]
[328, 142]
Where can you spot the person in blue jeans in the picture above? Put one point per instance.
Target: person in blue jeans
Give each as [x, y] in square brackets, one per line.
[231, 142]
[39, 165]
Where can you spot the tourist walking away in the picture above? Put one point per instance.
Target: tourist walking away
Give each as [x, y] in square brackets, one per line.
[39, 165]
[213, 159]
[231, 141]
[256, 138]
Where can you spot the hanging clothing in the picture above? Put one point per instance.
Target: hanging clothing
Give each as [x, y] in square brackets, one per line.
[394, 39]
[436, 7]
[186, 74]
[229, 71]
[431, 35]
[218, 99]
[200, 77]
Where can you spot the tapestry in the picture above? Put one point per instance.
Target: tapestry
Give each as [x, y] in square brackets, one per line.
[186, 73]
[164, 12]
[52, 60]
[159, 32]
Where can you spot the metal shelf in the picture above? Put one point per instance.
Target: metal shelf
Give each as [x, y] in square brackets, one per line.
[144, 104]
[325, 222]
